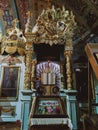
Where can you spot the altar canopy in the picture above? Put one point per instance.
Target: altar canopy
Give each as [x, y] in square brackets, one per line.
[53, 27]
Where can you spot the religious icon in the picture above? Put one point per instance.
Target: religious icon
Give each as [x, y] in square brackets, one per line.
[48, 107]
[10, 81]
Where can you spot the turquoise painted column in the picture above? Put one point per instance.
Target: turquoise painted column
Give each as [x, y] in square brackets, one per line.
[26, 105]
[96, 92]
[71, 103]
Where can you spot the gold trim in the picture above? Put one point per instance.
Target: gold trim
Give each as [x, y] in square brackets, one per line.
[53, 26]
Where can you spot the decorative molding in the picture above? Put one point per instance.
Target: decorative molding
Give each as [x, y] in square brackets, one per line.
[7, 111]
[13, 41]
[28, 70]
[53, 26]
[10, 60]
[68, 54]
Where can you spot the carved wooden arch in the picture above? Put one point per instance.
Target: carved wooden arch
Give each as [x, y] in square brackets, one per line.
[53, 26]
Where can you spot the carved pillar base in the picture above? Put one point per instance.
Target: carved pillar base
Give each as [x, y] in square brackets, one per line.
[26, 103]
[72, 106]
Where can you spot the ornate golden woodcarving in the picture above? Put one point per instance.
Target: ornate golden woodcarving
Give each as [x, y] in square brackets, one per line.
[11, 60]
[13, 41]
[28, 68]
[53, 26]
[34, 62]
[68, 54]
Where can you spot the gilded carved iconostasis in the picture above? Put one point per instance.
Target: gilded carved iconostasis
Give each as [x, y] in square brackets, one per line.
[86, 17]
[43, 56]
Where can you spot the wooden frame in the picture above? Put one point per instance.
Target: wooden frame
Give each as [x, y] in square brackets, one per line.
[91, 51]
[9, 82]
[46, 107]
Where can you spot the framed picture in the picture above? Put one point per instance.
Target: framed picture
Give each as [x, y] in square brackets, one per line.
[9, 82]
[49, 107]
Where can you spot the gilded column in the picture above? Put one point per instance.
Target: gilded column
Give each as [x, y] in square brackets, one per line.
[33, 76]
[68, 54]
[28, 66]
